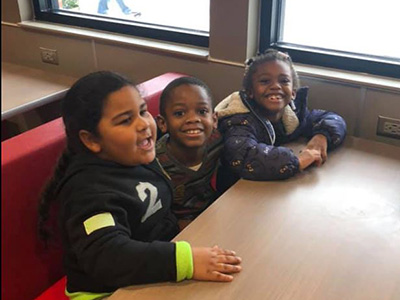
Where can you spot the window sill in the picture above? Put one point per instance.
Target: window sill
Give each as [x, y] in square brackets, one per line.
[348, 77]
[193, 52]
[171, 48]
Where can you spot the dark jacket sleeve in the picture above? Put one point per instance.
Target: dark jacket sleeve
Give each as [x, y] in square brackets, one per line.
[249, 157]
[330, 124]
[110, 254]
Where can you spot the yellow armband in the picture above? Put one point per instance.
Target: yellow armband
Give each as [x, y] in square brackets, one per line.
[184, 261]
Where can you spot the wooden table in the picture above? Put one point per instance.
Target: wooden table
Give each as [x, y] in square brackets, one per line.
[330, 233]
[25, 88]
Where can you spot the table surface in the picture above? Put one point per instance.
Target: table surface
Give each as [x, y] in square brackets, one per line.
[329, 233]
[25, 88]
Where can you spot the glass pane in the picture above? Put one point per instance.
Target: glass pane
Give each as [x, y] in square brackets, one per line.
[358, 26]
[191, 15]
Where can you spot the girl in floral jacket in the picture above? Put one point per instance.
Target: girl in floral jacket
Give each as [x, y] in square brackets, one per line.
[270, 111]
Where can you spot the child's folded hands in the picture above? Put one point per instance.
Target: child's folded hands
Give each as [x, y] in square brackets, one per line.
[320, 143]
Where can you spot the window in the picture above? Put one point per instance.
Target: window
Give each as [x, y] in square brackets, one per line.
[356, 35]
[178, 21]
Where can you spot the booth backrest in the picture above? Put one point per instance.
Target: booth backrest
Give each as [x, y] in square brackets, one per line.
[27, 161]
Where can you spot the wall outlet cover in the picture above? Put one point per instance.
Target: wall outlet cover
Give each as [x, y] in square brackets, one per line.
[389, 127]
[49, 56]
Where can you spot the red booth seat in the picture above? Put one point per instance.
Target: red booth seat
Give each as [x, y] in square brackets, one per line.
[27, 161]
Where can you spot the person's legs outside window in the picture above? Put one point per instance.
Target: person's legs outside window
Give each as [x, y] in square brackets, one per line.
[125, 9]
[103, 7]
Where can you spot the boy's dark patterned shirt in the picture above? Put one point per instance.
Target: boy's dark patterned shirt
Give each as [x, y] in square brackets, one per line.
[193, 190]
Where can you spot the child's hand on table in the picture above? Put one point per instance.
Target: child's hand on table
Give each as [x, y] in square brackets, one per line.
[314, 153]
[320, 143]
[214, 264]
[309, 156]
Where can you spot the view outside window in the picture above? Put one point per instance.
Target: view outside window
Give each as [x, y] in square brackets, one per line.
[184, 14]
[360, 26]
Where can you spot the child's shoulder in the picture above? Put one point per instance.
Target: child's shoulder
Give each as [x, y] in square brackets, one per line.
[215, 138]
[161, 145]
[231, 105]
[162, 152]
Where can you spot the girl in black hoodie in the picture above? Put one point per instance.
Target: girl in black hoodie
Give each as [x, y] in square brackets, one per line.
[115, 199]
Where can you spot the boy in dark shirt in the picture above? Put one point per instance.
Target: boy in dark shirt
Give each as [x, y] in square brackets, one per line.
[190, 148]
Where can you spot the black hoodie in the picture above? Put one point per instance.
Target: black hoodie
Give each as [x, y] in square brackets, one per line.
[114, 220]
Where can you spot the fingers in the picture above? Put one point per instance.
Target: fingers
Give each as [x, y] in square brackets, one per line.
[321, 158]
[217, 276]
[324, 156]
[306, 158]
[215, 264]
[223, 251]
[318, 161]
[227, 268]
[222, 271]
[229, 259]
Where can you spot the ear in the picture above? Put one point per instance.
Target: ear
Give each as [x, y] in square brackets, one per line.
[90, 141]
[294, 93]
[215, 120]
[162, 124]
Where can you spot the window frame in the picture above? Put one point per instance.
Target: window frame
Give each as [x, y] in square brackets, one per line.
[47, 10]
[270, 29]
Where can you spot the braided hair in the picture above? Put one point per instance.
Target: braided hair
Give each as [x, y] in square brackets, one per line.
[81, 109]
[268, 55]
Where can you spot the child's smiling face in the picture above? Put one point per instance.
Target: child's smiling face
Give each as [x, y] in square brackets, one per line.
[189, 118]
[272, 86]
[127, 131]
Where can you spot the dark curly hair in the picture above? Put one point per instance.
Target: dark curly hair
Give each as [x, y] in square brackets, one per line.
[81, 109]
[269, 55]
[166, 94]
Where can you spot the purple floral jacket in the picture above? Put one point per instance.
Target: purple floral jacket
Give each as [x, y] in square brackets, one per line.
[252, 144]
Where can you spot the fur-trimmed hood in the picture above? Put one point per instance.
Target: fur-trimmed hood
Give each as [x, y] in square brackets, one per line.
[235, 104]
[231, 105]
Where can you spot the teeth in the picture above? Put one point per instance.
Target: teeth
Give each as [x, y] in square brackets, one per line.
[194, 131]
[275, 97]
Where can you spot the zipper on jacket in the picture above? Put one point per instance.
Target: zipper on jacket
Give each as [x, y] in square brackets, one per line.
[271, 138]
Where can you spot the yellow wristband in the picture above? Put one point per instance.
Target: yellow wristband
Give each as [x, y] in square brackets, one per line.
[184, 261]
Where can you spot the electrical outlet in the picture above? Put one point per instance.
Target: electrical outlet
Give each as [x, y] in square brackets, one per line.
[388, 127]
[49, 56]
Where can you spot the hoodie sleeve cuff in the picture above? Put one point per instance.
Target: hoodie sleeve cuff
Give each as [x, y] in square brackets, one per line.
[184, 261]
